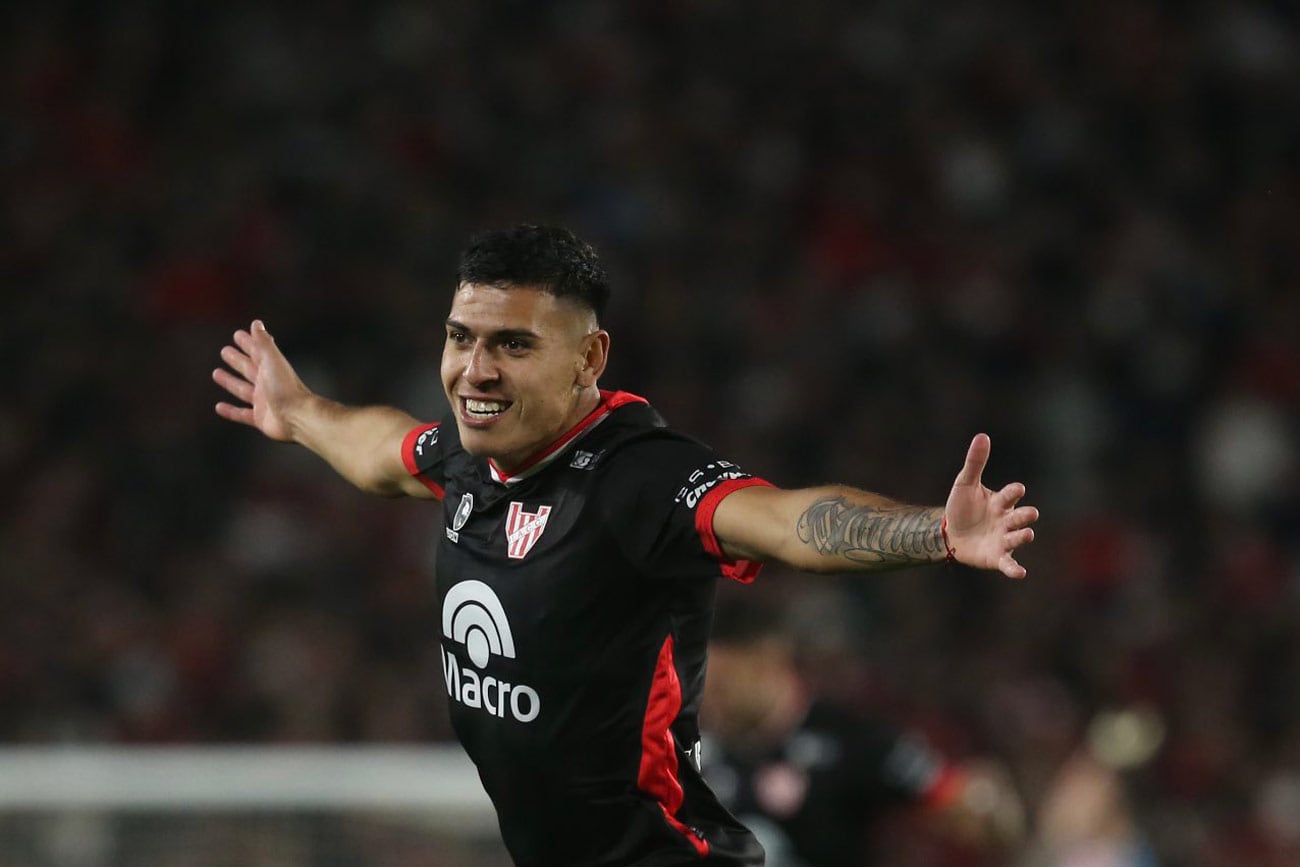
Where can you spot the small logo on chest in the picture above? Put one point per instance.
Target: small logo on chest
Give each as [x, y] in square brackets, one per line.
[462, 515]
[585, 460]
[523, 529]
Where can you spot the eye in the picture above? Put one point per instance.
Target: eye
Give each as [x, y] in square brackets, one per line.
[459, 338]
[515, 345]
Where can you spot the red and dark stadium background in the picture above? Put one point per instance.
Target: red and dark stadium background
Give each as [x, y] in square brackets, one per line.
[844, 238]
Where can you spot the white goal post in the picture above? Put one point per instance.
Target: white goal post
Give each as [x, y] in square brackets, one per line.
[84, 806]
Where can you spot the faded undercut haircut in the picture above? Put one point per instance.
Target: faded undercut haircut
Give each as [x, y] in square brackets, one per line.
[548, 258]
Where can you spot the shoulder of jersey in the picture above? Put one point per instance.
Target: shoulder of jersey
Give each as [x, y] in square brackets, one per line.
[453, 456]
[448, 434]
[621, 438]
[627, 429]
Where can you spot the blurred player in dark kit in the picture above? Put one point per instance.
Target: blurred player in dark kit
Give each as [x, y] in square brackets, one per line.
[809, 776]
[580, 548]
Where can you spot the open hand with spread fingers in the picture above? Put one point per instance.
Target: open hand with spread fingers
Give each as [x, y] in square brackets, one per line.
[263, 379]
[984, 527]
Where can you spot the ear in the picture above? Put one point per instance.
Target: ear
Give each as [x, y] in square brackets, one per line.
[595, 355]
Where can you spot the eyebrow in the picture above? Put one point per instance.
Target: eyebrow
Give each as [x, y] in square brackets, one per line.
[503, 334]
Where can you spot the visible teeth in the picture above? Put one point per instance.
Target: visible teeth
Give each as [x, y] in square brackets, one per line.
[490, 407]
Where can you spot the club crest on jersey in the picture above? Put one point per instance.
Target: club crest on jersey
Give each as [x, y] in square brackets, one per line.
[523, 529]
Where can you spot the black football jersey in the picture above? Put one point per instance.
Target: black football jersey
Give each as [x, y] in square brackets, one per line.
[811, 797]
[576, 598]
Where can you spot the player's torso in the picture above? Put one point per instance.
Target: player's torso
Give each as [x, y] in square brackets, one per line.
[548, 633]
[550, 647]
[573, 666]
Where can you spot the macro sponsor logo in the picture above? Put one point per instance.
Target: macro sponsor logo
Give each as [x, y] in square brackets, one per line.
[473, 616]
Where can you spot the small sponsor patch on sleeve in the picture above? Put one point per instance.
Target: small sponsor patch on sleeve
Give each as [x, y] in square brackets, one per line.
[705, 479]
[427, 438]
[423, 458]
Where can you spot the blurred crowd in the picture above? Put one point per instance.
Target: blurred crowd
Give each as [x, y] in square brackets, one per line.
[844, 237]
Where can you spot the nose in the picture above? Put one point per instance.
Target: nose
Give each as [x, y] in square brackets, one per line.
[479, 367]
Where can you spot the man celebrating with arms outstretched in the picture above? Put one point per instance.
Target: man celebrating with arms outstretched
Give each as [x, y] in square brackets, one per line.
[581, 544]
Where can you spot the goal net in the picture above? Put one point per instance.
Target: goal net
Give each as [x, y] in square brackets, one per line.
[244, 807]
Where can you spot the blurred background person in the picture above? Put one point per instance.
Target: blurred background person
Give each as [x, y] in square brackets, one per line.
[812, 775]
[1086, 815]
[1086, 821]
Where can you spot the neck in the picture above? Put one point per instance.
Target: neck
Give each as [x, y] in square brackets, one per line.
[588, 400]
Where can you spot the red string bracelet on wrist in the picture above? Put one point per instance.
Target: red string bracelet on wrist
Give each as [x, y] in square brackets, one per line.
[943, 530]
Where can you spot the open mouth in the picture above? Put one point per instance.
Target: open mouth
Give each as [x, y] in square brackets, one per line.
[485, 409]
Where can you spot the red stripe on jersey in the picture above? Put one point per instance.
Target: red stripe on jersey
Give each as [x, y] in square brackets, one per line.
[657, 776]
[609, 401]
[408, 458]
[744, 571]
[701, 845]
[615, 399]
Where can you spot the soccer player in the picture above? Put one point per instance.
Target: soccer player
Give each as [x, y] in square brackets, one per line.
[809, 775]
[580, 548]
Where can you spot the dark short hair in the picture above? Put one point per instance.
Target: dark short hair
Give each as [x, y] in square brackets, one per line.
[549, 258]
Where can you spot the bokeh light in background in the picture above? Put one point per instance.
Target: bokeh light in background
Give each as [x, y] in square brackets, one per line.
[845, 238]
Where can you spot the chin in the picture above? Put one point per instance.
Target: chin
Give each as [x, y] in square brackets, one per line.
[482, 444]
[474, 442]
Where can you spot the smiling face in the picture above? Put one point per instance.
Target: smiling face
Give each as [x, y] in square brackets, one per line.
[520, 368]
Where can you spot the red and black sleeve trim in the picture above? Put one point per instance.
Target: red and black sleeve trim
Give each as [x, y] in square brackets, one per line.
[408, 458]
[744, 571]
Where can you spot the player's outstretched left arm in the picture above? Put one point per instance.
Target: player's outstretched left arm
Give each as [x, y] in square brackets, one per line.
[841, 529]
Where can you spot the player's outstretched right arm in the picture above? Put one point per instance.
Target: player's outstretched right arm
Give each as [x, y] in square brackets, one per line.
[362, 444]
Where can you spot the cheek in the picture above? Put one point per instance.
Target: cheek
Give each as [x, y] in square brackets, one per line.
[552, 389]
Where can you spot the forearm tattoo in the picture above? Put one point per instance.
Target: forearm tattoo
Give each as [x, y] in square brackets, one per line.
[897, 536]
